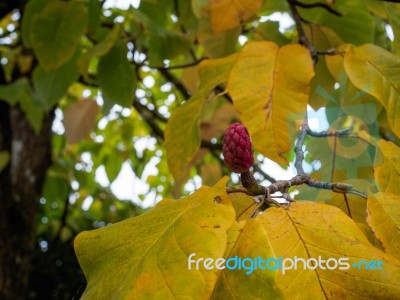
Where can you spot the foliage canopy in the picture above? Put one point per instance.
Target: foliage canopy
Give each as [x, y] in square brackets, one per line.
[152, 89]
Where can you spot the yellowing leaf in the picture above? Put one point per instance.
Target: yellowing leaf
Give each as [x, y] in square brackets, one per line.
[79, 120]
[243, 204]
[147, 257]
[182, 134]
[311, 230]
[226, 14]
[57, 31]
[270, 87]
[377, 72]
[384, 220]
[210, 173]
[247, 240]
[387, 167]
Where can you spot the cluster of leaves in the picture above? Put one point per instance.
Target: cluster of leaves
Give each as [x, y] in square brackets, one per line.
[121, 78]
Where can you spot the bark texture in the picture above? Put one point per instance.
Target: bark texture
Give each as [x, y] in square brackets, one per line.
[21, 182]
[20, 188]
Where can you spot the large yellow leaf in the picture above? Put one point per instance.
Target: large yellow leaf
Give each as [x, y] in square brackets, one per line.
[270, 86]
[182, 134]
[312, 230]
[384, 219]
[247, 240]
[387, 167]
[226, 14]
[146, 257]
[377, 72]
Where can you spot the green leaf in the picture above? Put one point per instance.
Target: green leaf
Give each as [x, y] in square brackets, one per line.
[269, 31]
[33, 110]
[50, 86]
[383, 215]
[393, 13]
[377, 72]
[99, 49]
[356, 25]
[117, 78]
[269, 87]
[32, 8]
[147, 256]
[13, 91]
[94, 13]
[4, 159]
[57, 31]
[182, 134]
[220, 44]
[160, 42]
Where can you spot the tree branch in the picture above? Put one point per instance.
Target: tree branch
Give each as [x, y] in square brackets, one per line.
[283, 185]
[178, 84]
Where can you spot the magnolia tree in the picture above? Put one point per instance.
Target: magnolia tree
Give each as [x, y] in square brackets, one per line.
[205, 102]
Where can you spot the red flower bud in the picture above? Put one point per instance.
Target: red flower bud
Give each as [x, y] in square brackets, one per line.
[237, 149]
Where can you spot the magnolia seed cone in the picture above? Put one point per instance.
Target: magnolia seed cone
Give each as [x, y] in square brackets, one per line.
[237, 149]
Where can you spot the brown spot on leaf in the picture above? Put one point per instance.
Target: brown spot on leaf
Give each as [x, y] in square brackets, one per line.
[217, 199]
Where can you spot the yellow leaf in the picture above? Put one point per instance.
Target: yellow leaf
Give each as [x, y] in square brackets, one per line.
[377, 72]
[243, 205]
[79, 119]
[147, 257]
[312, 230]
[220, 120]
[387, 167]
[226, 14]
[210, 173]
[247, 240]
[270, 86]
[182, 134]
[384, 219]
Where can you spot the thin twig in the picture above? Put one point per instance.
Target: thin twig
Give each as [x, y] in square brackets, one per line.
[334, 156]
[187, 65]
[326, 133]
[178, 84]
[318, 4]
[347, 205]
[148, 117]
[258, 169]
[298, 149]
[302, 36]
[63, 219]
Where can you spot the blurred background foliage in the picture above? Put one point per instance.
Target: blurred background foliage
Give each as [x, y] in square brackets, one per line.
[113, 72]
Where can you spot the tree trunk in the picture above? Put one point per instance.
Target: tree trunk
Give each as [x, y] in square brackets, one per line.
[20, 188]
